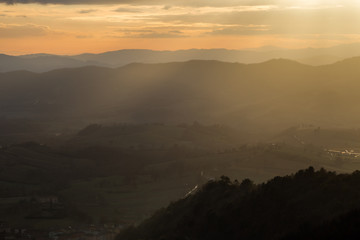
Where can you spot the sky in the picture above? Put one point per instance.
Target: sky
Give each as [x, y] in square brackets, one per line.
[78, 26]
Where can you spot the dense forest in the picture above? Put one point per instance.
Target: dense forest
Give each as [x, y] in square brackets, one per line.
[297, 206]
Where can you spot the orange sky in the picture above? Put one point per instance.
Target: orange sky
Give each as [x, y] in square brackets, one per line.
[67, 28]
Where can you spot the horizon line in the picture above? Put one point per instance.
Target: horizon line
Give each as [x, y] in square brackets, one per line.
[264, 48]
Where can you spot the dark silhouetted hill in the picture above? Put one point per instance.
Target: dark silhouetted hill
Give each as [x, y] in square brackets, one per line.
[273, 210]
[346, 226]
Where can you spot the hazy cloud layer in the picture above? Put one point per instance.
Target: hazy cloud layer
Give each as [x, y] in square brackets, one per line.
[27, 30]
[199, 3]
[153, 2]
[218, 23]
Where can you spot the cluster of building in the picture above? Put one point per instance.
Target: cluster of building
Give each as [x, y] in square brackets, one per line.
[345, 153]
[86, 232]
[9, 233]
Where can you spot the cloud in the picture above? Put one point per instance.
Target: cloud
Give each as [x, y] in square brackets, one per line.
[27, 30]
[273, 21]
[167, 7]
[84, 36]
[248, 17]
[148, 33]
[167, 4]
[146, 2]
[85, 11]
[242, 30]
[127, 10]
[170, 34]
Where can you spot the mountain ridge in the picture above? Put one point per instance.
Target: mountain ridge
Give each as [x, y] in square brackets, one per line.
[285, 91]
[270, 62]
[43, 62]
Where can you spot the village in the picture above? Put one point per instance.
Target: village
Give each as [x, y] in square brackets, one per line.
[81, 232]
[52, 208]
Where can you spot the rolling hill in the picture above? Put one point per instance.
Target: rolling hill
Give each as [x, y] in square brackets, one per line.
[47, 62]
[273, 95]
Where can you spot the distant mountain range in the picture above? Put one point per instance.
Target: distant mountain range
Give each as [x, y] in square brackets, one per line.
[47, 62]
[272, 95]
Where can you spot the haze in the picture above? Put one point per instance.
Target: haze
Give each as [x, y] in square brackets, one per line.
[179, 120]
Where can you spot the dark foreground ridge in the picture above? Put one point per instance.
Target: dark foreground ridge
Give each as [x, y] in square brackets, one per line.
[344, 227]
[298, 206]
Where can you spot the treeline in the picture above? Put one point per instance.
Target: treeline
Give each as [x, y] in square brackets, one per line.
[346, 226]
[284, 207]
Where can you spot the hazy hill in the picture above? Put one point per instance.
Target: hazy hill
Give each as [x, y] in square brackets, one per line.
[160, 136]
[38, 63]
[319, 60]
[330, 138]
[272, 95]
[307, 56]
[232, 210]
[47, 62]
[113, 59]
[126, 56]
